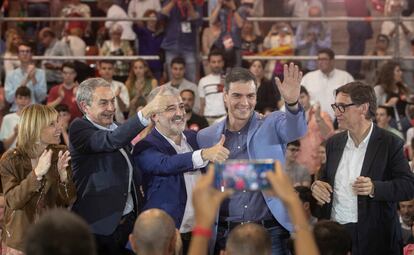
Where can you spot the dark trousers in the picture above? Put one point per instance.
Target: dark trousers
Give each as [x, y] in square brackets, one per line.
[186, 239]
[115, 243]
[351, 228]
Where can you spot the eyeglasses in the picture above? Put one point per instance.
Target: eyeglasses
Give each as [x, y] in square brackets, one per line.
[293, 149]
[341, 107]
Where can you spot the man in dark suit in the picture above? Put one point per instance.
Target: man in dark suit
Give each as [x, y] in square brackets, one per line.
[108, 186]
[170, 161]
[366, 175]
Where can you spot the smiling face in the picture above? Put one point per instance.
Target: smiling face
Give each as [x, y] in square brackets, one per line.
[171, 122]
[102, 108]
[240, 100]
[51, 133]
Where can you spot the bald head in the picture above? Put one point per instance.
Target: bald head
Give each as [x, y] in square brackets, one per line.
[248, 239]
[154, 233]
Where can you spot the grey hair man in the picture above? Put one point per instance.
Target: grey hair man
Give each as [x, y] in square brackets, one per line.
[102, 164]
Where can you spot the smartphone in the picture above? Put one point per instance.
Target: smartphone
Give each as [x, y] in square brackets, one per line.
[243, 174]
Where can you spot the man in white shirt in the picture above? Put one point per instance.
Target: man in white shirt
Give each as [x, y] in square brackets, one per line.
[210, 89]
[179, 82]
[322, 83]
[106, 71]
[170, 161]
[8, 130]
[366, 175]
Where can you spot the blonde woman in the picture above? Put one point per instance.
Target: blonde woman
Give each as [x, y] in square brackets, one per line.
[13, 39]
[35, 175]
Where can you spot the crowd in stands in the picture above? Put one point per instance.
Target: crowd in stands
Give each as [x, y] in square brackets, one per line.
[64, 122]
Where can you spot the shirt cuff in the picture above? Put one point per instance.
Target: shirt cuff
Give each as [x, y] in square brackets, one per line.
[142, 119]
[198, 161]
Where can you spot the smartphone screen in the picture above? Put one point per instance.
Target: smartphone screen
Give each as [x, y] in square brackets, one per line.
[243, 174]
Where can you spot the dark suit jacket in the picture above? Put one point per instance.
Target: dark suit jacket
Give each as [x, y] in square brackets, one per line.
[163, 173]
[379, 230]
[101, 172]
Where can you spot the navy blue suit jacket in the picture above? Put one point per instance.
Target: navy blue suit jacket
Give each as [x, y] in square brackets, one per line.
[101, 172]
[162, 171]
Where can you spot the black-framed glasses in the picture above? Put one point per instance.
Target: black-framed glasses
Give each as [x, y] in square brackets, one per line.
[341, 107]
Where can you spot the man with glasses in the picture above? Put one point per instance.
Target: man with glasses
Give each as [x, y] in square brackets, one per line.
[366, 174]
[170, 160]
[27, 75]
[322, 83]
[65, 92]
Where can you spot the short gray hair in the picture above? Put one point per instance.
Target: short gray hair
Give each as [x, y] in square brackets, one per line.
[87, 88]
[168, 91]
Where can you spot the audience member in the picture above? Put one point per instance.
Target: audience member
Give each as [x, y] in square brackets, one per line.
[391, 91]
[139, 84]
[249, 136]
[138, 8]
[154, 233]
[114, 11]
[405, 35]
[281, 41]
[183, 19]
[194, 121]
[27, 75]
[300, 9]
[151, 35]
[309, 204]
[210, 88]
[35, 176]
[320, 128]
[312, 36]
[383, 118]
[332, 238]
[106, 71]
[76, 44]
[371, 68]
[178, 71]
[36, 8]
[231, 19]
[64, 122]
[170, 160]
[10, 122]
[13, 40]
[59, 232]
[365, 175]
[65, 92]
[248, 239]
[406, 211]
[251, 43]
[209, 36]
[322, 83]
[53, 48]
[117, 47]
[297, 173]
[74, 8]
[358, 33]
[268, 96]
[102, 167]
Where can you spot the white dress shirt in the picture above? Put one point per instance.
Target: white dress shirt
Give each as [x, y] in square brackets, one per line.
[345, 201]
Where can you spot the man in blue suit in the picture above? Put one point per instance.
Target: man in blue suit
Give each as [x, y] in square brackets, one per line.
[249, 136]
[170, 161]
[108, 194]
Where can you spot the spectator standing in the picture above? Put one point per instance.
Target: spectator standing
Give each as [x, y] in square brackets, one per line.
[36, 8]
[138, 8]
[26, 75]
[117, 47]
[300, 9]
[12, 44]
[54, 47]
[211, 87]
[183, 20]
[209, 36]
[251, 43]
[151, 35]
[312, 36]
[371, 68]
[322, 83]
[9, 125]
[194, 121]
[320, 128]
[74, 8]
[358, 32]
[65, 93]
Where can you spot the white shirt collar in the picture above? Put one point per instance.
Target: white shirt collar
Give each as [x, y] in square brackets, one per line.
[111, 127]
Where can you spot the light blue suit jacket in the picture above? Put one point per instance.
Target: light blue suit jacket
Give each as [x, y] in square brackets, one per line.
[266, 139]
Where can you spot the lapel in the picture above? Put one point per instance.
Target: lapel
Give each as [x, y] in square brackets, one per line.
[252, 128]
[162, 143]
[373, 146]
[336, 154]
